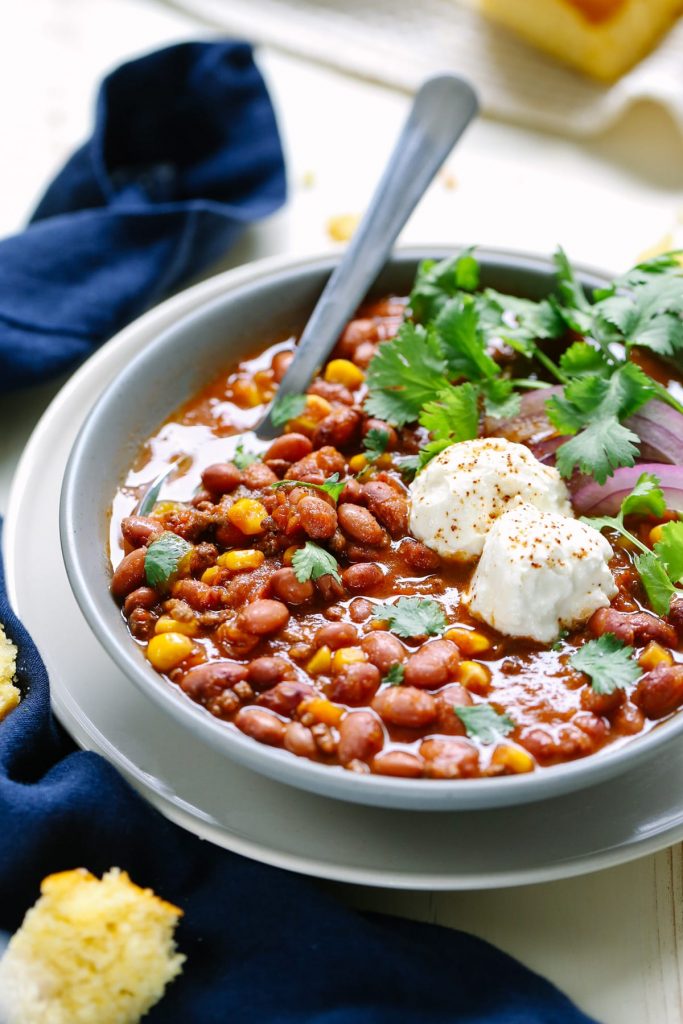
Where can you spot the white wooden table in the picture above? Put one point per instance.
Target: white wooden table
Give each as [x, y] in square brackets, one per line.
[612, 940]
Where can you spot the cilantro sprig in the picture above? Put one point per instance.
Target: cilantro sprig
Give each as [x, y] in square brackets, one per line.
[608, 662]
[163, 558]
[394, 675]
[243, 458]
[482, 722]
[375, 443]
[659, 569]
[332, 486]
[311, 562]
[287, 408]
[412, 616]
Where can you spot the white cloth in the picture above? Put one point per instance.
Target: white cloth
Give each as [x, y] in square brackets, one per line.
[400, 42]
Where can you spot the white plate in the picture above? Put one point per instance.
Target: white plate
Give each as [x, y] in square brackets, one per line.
[197, 788]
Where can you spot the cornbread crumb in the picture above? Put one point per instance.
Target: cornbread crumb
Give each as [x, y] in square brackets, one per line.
[9, 693]
[89, 952]
[341, 228]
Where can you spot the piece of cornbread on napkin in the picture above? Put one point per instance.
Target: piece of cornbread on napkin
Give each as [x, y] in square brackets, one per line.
[90, 951]
[9, 693]
[603, 38]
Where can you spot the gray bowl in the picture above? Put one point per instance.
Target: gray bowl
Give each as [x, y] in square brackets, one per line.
[171, 369]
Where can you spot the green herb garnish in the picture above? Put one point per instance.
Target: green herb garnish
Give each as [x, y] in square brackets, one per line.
[243, 458]
[482, 722]
[163, 557]
[669, 550]
[608, 662]
[287, 408]
[394, 676]
[311, 562]
[332, 486]
[375, 443]
[412, 616]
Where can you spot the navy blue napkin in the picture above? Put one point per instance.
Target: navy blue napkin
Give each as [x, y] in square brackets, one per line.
[184, 155]
[263, 946]
[185, 152]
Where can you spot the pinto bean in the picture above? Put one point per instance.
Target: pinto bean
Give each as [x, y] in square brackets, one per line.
[390, 507]
[660, 691]
[601, 703]
[356, 685]
[633, 627]
[261, 725]
[364, 354]
[452, 696]
[628, 719]
[263, 673]
[335, 393]
[200, 596]
[318, 518]
[139, 531]
[141, 623]
[263, 617]
[205, 682]
[143, 597]
[355, 332]
[360, 737]
[360, 609]
[285, 697]
[353, 492]
[362, 576]
[339, 428]
[406, 706]
[258, 476]
[455, 758]
[280, 364]
[374, 424]
[418, 557]
[286, 587]
[129, 574]
[221, 477]
[300, 740]
[675, 615]
[360, 524]
[289, 448]
[329, 589]
[553, 744]
[383, 649]
[432, 665]
[336, 635]
[399, 763]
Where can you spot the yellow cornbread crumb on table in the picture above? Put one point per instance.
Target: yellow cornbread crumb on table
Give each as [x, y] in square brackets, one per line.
[9, 693]
[603, 38]
[90, 951]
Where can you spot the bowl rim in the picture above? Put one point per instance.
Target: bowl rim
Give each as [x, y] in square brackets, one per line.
[330, 780]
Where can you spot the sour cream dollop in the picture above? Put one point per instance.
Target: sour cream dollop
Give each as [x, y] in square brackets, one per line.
[460, 494]
[540, 573]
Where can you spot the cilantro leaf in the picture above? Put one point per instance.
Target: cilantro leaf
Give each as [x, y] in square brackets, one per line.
[407, 465]
[482, 722]
[576, 308]
[394, 677]
[412, 616]
[163, 557]
[658, 586]
[311, 562]
[453, 415]
[647, 314]
[582, 359]
[608, 662]
[332, 486]
[500, 399]
[519, 322]
[462, 341]
[430, 451]
[405, 373]
[646, 498]
[243, 458]
[287, 408]
[375, 443]
[592, 407]
[436, 282]
[670, 550]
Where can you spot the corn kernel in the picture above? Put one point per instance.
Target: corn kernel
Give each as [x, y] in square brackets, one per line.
[289, 554]
[653, 655]
[343, 371]
[656, 534]
[247, 514]
[168, 625]
[263, 380]
[357, 463]
[384, 461]
[209, 575]
[468, 640]
[320, 662]
[317, 408]
[342, 227]
[347, 656]
[166, 650]
[512, 759]
[322, 710]
[474, 677]
[163, 508]
[246, 393]
[237, 560]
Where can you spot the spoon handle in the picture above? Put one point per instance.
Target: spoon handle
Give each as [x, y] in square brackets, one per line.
[441, 110]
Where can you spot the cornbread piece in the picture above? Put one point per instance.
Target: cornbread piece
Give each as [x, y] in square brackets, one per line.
[9, 693]
[89, 952]
[603, 38]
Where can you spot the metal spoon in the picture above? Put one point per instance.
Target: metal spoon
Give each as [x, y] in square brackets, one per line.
[441, 110]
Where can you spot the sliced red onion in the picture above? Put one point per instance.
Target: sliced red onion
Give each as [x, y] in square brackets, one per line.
[660, 429]
[592, 499]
